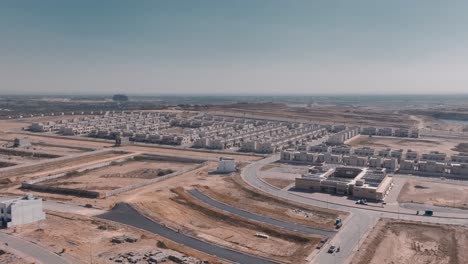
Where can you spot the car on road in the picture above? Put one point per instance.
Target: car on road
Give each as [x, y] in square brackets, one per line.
[332, 249]
[362, 201]
[322, 243]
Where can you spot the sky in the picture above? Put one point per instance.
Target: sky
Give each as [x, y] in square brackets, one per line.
[233, 47]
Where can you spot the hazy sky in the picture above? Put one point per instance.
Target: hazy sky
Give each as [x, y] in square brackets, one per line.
[233, 46]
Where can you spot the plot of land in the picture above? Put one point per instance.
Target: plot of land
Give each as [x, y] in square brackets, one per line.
[16, 155]
[419, 145]
[179, 210]
[117, 176]
[414, 243]
[89, 239]
[9, 258]
[209, 224]
[235, 192]
[57, 140]
[60, 165]
[439, 194]
[281, 175]
[190, 153]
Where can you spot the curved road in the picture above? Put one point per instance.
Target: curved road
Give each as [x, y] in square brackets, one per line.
[360, 221]
[125, 214]
[31, 250]
[260, 218]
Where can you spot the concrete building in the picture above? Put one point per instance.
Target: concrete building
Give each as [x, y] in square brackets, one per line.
[369, 131]
[407, 166]
[398, 154]
[226, 165]
[431, 166]
[342, 150]
[459, 169]
[401, 132]
[391, 164]
[360, 183]
[25, 210]
[460, 158]
[411, 155]
[384, 153]
[22, 143]
[375, 162]
[320, 148]
[342, 136]
[364, 152]
[434, 156]
[386, 131]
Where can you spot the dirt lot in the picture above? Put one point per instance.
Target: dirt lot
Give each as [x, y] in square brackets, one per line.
[58, 165]
[162, 202]
[61, 141]
[372, 116]
[281, 175]
[233, 191]
[414, 243]
[191, 153]
[18, 155]
[280, 183]
[439, 194]
[88, 239]
[117, 176]
[420, 145]
[9, 258]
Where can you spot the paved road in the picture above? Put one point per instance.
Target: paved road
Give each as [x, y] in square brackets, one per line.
[125, 214]
[260, 218]
[360, 221]
[29, 249]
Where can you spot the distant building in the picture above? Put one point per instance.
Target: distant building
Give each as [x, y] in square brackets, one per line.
[20, 211]
[21, 143]
[361, 183]
[226, 165]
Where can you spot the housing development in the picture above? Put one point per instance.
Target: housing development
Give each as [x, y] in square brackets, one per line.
[150, 186]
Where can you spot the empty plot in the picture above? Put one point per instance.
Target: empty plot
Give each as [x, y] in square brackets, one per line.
[59, 165]
[420, 145]
[16, 155]
[402, 242]
[117, 175]
[434, 193]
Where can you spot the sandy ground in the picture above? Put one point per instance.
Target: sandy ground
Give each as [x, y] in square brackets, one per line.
[281, 175]
[420, 145]
[25, 156]
[89, 240]
[437, 124]
[60, 165]
[280, 183]
[164, 204]
[439, 194]
[233, 191]
[191, 153]
[117, 176]
[371, 116]
[63, 141]
[394, 242]
[9, 258]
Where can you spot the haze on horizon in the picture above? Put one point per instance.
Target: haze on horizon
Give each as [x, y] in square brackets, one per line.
[230, 47]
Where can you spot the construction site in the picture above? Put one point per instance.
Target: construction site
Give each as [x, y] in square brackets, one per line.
[144, 201]
[413, 242]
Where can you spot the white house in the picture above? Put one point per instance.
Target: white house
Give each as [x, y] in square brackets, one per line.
[20, 211]
[226, 165]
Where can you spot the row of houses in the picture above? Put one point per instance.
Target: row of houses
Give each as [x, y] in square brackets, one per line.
[390, 132]
[342, 136]
[432, 163]
[389, 163]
